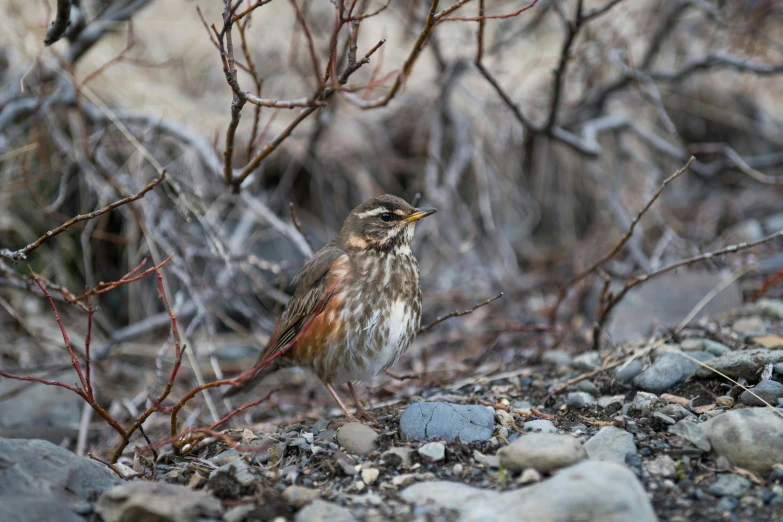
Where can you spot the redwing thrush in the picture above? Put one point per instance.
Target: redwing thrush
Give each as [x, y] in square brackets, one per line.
[357, 303]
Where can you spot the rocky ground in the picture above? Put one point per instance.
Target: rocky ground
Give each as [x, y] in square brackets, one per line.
[656, 437]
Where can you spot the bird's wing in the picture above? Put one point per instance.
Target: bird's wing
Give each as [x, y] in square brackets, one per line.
[310, 296]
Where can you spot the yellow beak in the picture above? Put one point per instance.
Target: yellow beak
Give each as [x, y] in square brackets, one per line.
[420, 213]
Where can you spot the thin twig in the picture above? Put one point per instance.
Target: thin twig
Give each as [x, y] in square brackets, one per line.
[458, 313]
[299, 227]
[60, 23]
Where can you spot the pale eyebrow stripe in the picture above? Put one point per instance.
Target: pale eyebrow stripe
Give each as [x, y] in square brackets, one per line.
[400, 212]
[373, 212]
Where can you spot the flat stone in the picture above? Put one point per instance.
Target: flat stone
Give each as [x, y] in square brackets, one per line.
[239, 469]
[321, 511]
[579, 399]
[746, 364]
[399, 458]
[539, 425]
[693, 433]
[769, 391]
[433, 451]
[31, 509]
[668, 370]
[704, 345]
[438, 420]
[357, 438]
[588, 387]
[750, 438]
[544, 452]
[299, 496]
[662, 466]
[156, 501]
[589, 492]
[730, 485]
[610, 444]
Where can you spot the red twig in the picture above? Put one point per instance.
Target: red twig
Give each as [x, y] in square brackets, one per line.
[102, 287]
[241, 409]
[458, 313]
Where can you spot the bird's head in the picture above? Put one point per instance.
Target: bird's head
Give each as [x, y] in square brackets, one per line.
[382, 223]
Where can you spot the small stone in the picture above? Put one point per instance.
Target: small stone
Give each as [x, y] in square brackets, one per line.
[610, 444]
[440, 420]
[370, 475]
[504, 418]
[662, 466]
[693, 433]
[556, 358]
[539, 425]
[543, 452]
[725, 401]
[769, 391]
[321, 511]
[669, 370]
[750, 326]
[727, 504]
[522, 405]
[225, 457]
[156, 501]
[664, 418]
[579, 400]
[675, 411]
[588, 387]
[730, 485]
[433, 451]
[238, 513]
[239, 469]
[644, 402]
[587, 361]
[611, 403]
[299, 496]
[398, 457]
[357, 438]
[529, 476]
[628, 371]
[772, 308]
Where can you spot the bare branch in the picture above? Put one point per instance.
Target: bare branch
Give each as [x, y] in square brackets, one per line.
[60, 23]
[458, 313]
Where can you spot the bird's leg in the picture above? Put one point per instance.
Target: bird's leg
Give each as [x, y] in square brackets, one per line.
[360, 411]
[348, 415]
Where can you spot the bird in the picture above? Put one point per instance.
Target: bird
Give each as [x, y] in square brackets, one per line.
[356, 305]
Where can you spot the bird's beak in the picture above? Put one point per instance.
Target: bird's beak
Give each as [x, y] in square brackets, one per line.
[420, 213]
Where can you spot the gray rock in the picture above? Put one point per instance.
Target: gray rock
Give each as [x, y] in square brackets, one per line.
[321, 511]
[543, 452]
[32, 509]
[664, 418]
[725, 401]
[398, 457]
[665, 300]
[611, 403]
[299, 496]
[747, 364]
[769, 391]
[668, 370]
[438, 420]
[357, 438]
[645, 402]
[628, 371]
[37, 469]
[676, 412]
[589, 492]
[539, 425]
[730, 485]
[750, 438]
[662, 466]
[433, 451]
[557, 358]
[239, 513]
[772, 308]
[588, 387]
[704, 345]
[587, 361]
[610, 444]
[225, 457]
[693, 433]
[579, 399]
[239, 469]
[156, 501]
[778, 368]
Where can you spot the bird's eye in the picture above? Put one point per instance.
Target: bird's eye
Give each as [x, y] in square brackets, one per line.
[386, 217]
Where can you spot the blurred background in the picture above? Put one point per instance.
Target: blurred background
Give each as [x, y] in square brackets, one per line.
[538, 160]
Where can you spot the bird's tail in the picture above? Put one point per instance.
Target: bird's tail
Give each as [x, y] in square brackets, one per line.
[254, 379]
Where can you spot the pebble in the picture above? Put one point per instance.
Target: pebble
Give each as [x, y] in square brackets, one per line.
[704, 345]
[579, 400]
[370, 475]
[398, 457]
[645, 402]
[662, 466]
[746, 364]
[729, 485]
[769, 390]
[544, 452]
[675, 411]
[610, 444]
[321, 511]
[504, 418]
[539, 425]
[433, 451]
[225, 457]
[557, 358]
[628, 371]
[529, 476]
[668, 370]
[725, 401]
[239, 469]
[588, 387]
[750, 438]
[611, 403]
[693, 433]
[664, 418]
[772, 308]
[357, 438]
[587, 361]
[439, 420]
[299, 496]
[608, 492]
